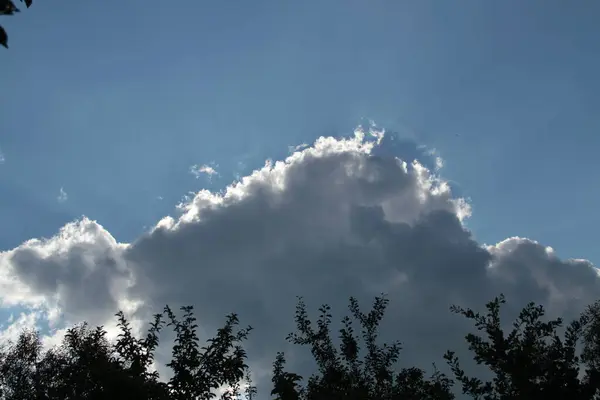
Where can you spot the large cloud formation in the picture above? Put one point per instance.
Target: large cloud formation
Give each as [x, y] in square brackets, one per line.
[335, 219]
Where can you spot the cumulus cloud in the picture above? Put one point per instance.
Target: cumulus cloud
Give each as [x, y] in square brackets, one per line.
[342, 217]
[11, 331]
[80, 271]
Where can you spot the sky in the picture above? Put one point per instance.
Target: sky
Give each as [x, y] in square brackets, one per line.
[125, 114]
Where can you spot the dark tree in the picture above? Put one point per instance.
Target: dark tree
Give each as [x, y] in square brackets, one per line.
[536, 359]
[355, 369]
[532, 361]
[7, 7]
[198, 371]
[88, 366]
[590, 356]
[82, 367]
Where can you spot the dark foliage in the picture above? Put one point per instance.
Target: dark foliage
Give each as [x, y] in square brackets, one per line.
[7, 7]
[536, 359]
[87, 366]
[355, 369]
[533, 360]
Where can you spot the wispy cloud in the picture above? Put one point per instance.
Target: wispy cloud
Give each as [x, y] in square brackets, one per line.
[2, 158]
[293, 149]
[198, 170]
[62, 196]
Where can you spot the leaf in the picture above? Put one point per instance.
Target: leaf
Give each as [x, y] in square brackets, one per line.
[7, 7]
[3, 37]
[27, 3]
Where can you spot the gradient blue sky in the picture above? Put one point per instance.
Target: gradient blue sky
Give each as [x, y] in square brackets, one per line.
[114, 101]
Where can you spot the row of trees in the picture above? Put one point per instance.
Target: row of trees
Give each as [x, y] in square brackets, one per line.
[534, 360]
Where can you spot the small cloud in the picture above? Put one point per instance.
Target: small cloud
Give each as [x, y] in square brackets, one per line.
[159, 198]
[2, 159]
[62, 196]
[293, 149]
[205, 169]
[439, 163]
[241, 167]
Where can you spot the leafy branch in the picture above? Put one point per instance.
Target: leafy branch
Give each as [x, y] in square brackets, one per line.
[7, 7]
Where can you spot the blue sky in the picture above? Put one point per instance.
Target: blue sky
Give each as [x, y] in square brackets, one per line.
[114, 103]
[106, 106]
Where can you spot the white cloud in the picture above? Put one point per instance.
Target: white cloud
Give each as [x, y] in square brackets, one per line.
[2, 158]
[62, 196]
[16, 326]
[293, 149]
[334, 219]
[439, 163]
[199, 170]
[80, 272]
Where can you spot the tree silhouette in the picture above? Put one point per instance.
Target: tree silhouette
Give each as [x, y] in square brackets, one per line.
[7, 7]
[590, 356]
[536, 359]
[351, 370]
[197, 372]
[532, 361]
[88, 366]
